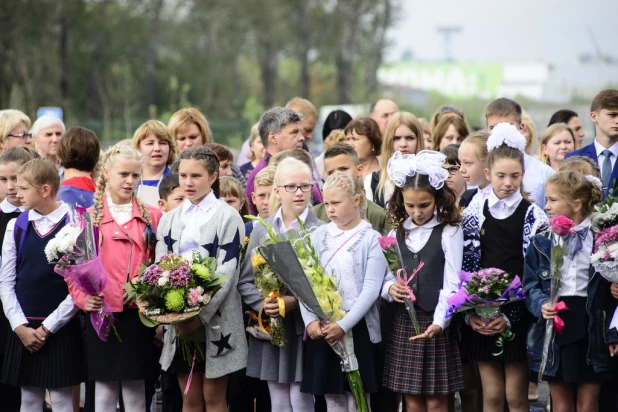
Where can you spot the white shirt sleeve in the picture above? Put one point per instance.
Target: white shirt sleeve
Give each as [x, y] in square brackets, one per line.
[452, 244]
[12, 308]
[61, 316]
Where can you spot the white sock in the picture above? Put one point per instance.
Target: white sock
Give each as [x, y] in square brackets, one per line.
[106, 396]
[301, 402]
[62, 399]
[32, 398]
[134, 395]
[336, 403]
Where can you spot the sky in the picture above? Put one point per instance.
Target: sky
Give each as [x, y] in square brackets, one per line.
[524, 31]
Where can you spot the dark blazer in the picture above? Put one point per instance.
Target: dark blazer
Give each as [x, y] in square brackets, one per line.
[590, 152]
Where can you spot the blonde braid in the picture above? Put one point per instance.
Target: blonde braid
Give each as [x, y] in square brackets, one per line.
[98, 200]
[143, 210]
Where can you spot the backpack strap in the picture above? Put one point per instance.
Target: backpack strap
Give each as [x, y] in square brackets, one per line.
[19, 233]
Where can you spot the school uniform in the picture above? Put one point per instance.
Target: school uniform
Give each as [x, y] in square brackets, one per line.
[426, 367]
[354, 258]
[499, 237]
[579, 354]
[34, 295]
[213, 229]
[267, 361]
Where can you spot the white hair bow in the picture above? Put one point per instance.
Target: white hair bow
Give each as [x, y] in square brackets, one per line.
[426, 162]
[506, 133]
[595, 180]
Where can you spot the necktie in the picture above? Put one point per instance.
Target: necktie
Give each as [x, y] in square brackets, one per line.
[606, 169]
[576, 240]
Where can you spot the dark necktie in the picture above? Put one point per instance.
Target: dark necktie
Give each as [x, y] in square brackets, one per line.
[606, 171]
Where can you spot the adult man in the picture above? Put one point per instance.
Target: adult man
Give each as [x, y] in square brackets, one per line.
[604, 148]
[308, 112]
[46, 133]
[382, 111]
[279, 130]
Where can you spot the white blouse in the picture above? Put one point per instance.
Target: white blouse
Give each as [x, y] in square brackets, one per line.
[193, 218]
[121, 213]
[452, 247]
[576, 271]
[503, 208]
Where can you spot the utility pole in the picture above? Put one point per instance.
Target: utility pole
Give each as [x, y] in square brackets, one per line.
[447, 32]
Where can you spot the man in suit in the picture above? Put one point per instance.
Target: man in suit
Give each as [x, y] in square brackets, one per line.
[604, 148]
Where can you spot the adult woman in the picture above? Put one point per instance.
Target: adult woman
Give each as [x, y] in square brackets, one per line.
[46, 133]
[451, 129]
[572, 120]
[363, 134]
[530, 134]
[557, 141]
[256, 153]
[158, 149]
[14, 127]
[190, 128]
[403, 133]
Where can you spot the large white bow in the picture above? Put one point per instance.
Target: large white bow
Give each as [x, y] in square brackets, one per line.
[426, 162]
[506, 133]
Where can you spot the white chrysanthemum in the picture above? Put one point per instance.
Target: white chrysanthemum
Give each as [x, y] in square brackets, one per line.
[188, 256]
[506, 133]
[165, 274]
[163, 281]
[51, 250]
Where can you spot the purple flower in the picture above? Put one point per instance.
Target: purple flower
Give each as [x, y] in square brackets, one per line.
[152, 274]
[180, 276]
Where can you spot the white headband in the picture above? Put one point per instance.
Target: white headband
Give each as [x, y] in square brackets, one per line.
[595, 180]
[506, 133]
[426, 162]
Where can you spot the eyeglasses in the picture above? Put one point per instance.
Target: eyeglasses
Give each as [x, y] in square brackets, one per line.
[453, 170]
[294, 188]
[24, 136]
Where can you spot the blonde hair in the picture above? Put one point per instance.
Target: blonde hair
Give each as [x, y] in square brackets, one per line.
[254, 134]
[581, 164]
[550, 132]
[479, 141]
[265, 177]
[399, 119]
[39, 172]
[348, 184]
[230, 186]
[184, 118]
[298, 154]
[287, 166]
[335, 136]
[531, 129]
[574, 186]
[425, 126]
[304, 107]
[112, 156]
[160, 131]
[9, 120]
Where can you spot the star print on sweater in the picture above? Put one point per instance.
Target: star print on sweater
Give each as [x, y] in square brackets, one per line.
[222, 344]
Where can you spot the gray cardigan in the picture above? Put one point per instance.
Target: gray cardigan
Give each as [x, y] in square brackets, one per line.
[226, 345]
[371, 272]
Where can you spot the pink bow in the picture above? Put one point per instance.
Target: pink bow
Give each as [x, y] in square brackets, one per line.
[402, 277]
[558, 322]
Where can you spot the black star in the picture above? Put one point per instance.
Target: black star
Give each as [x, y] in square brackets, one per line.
[222, 343]
[218, 313]
[232, 249]
[212, 247]
[169, 241]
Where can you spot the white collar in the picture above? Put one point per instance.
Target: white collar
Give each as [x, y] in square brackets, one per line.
[410, 225]
[585, 224]
[120, 208]
[486, 190]
[599, 148]
[279, 216]
[55, 216]
[7, 207]
[334, 230]
[510, 201]
[209, 201]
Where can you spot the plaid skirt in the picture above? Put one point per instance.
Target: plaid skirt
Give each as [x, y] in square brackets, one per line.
[421, 367]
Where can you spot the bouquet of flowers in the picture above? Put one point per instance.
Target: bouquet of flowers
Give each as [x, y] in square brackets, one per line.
[174, 291]
[269, 286]
[561, 229]
[74, 252]
[391, 251]
[485, 291]
[296, 263]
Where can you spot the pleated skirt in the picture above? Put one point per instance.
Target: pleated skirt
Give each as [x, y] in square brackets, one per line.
[115, 360]
[421, 367]
[58, 364]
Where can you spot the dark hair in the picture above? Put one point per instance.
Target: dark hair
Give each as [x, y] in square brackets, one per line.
[337, 119]
[452, 154]
[222, 152]
[209, 161]
[79, 149]
[19, 154]
[275, 119]
[168, 184]
[606, 99]
[504, 107]
[342, 149]
[366, 126]
[447, 209]
[562, 116]
[504, 152]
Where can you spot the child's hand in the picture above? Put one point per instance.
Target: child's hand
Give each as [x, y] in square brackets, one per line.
[314, 330]
[30, 338]
[614, 290]
[431, 331]
[94, 303]
[547, 310]
[398, 292]
[478, 325]
[613, 349]
[332, 333]
[497, 326]
[189, 326]
[271, 305]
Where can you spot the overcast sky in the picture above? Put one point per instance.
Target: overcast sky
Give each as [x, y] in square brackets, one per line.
[523, 31]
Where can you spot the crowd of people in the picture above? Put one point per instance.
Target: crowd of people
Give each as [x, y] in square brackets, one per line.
[452, 198]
